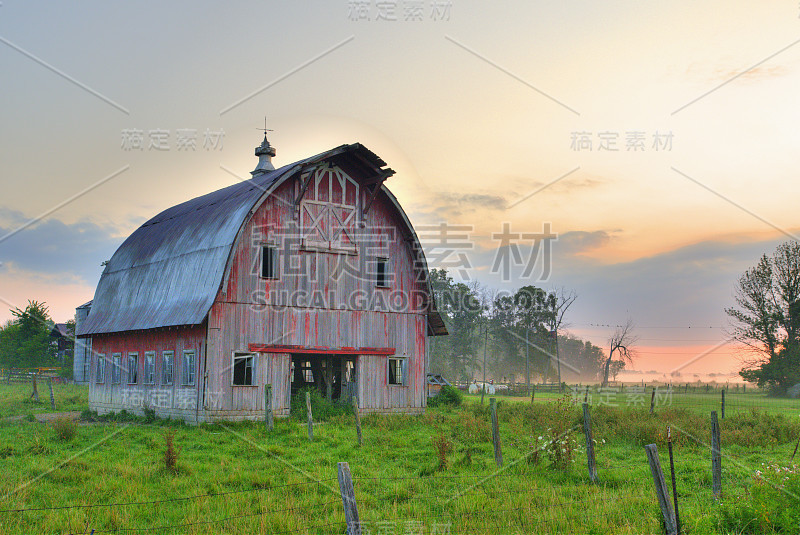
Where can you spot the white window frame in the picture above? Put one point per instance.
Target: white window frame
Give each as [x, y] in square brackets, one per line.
[116, 368]
[134, 356]
[403, 371]
[149, 368]
[241, 355]
[188, 369]
[100, 371]
[164, 355]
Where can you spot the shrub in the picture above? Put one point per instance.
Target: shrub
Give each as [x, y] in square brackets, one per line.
[321, 408]
[65, 428]
[447, 396]
[149, 414]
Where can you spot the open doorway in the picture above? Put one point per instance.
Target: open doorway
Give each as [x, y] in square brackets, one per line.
[334, 376]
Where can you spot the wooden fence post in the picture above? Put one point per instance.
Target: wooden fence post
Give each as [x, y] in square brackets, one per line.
[349, 500]
[35, 393]
[587, 432]
[52, 397]
[533, 392]
[269, 421]
[661, 488]
[498, 453]
[723, 404]
[586, 395]
[358, 420]
[653, 400]
[716, 457]
[674, 481]
[310, 418]
[483, 391]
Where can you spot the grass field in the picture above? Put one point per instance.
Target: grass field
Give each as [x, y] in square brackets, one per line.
[692, 400]
[15, 399]
[414, 474]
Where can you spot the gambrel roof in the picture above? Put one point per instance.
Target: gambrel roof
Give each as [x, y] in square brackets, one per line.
[168, 272]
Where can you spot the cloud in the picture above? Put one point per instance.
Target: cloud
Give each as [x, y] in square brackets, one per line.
[581, 241]
[444, 205]
[52, 248]
[709, 72]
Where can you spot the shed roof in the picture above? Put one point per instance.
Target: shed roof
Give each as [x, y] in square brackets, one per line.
[60, 330]
[168, 272]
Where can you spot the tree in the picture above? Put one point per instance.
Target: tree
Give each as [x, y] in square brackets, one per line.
[766, 320]
[461, 311]
[621, 343]
[25, 341]
[616, 367]
[560, 301]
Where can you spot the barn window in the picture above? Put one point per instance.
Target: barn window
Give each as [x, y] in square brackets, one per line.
[269, 262]
[133, 368]
[167, 367]
[115, 368]
[328, 210]
[149, 368]
[244, 369]
[381, 273]
[397, 371]
[100, 373]
[188, 369]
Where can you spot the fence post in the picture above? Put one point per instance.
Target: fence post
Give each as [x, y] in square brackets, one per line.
[358, 420]
[498, 453]
[723, 404]
[587, 431]
[52, 397]
[310, 418]
[35, 393]
[586, 395]
[533, 392]
[674, 482]
[653, 400]
[483, 391]
[716, 457]
[349, 500]
[269, 421]
[661, 488]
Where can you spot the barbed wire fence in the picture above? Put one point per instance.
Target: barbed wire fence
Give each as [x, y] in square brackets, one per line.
[502, 501]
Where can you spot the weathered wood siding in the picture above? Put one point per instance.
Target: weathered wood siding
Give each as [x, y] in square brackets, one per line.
[320, 299]
[175, 400]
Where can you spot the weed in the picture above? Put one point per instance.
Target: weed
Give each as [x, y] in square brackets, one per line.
[443, 447]
[65, 429]
[171, 453]
[470, 433]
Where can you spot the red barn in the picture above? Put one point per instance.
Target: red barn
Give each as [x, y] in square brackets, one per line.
[306, 276]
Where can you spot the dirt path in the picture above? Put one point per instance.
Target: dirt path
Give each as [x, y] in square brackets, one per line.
[47, 417]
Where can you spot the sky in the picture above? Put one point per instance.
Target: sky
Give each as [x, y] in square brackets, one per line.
[655, 141]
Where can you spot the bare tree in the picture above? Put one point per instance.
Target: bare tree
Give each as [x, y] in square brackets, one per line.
[560, 301]
[622, 344]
